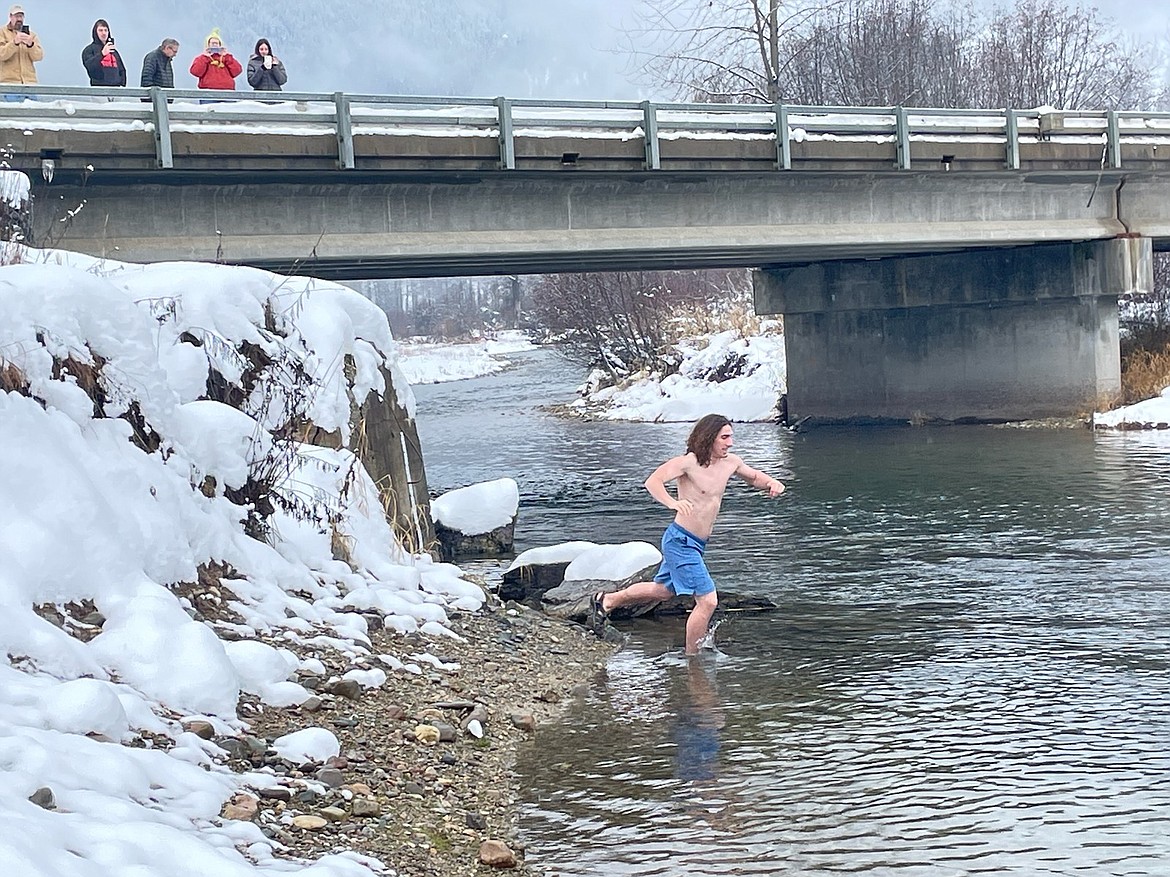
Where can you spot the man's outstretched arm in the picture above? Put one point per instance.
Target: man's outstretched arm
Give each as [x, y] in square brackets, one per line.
[759, 479]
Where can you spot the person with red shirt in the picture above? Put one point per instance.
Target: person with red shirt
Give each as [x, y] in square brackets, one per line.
[216, 68]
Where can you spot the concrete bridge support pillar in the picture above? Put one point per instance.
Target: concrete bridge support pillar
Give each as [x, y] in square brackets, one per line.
[982, 335]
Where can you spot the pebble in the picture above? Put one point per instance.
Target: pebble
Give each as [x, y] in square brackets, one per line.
[350, 689]
[496, 854]
[331, 777]
[43, 797]
[309, 823]
[476, 821]
[202, 729]
[365, 807]
[333, 814]
[427, 734]
[242, 807]
[524, 721]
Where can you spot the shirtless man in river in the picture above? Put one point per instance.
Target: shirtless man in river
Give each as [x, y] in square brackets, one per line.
[702, 474]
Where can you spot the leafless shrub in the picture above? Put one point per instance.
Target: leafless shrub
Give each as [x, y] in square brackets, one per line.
[893, 52]
[12, 379]
[1047, 53]
[1145, 338]
[621, 322]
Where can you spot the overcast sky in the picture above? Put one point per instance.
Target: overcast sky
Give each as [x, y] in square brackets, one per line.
[524, 48]
[538, 48]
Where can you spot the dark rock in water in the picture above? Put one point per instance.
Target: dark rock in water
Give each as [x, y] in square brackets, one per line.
[728, 602]
[526, 584]
[454, 544]
[570, 600]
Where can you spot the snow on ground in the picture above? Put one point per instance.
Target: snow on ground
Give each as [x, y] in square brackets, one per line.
[752, 394]
[427, 362]
[1147, 414]
[114, 486]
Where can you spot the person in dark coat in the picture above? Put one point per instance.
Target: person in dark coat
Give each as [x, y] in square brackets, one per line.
[265, 70]
[156, 66]
[101, 59]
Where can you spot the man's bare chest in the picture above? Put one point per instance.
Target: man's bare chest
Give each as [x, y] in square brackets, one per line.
[709, 481]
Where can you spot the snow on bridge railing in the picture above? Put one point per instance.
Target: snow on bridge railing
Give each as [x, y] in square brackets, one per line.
[342, 115]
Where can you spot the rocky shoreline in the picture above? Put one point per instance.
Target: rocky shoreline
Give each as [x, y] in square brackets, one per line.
[424, 778]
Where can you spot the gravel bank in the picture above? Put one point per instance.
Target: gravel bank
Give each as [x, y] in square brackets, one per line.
[420, 805]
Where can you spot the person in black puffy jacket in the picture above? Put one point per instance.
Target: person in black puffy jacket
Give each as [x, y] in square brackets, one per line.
[156, 66]
[265, 70]
[101, 59]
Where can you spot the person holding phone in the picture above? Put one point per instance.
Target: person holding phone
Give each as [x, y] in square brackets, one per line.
[20, 49]
[215, 68]
[101, 59]
[265, 70]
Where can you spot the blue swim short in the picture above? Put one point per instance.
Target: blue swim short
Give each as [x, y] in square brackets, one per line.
[683, 570]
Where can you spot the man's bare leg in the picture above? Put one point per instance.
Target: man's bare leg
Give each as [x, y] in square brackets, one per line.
[698, 620]
[639, 592]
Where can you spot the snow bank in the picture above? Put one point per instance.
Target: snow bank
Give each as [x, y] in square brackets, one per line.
[741, 378]
[117, 474]
[426, 362]
[1147, 414]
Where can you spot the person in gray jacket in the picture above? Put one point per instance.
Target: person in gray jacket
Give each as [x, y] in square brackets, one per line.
[265, 70]
[156, 66]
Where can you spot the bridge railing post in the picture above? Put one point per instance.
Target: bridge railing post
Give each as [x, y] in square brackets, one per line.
[345, 156]
[1012, 135]
[164, 154]
[650, 127]
[1113, 134]
[902, 126]
[507, 136]
[783, 139]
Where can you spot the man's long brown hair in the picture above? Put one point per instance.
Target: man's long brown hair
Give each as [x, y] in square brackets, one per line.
[702, 437]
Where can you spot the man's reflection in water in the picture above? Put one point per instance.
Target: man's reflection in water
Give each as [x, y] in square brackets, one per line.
[697, 735]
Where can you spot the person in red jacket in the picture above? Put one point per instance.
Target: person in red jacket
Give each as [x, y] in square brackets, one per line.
[216, 68]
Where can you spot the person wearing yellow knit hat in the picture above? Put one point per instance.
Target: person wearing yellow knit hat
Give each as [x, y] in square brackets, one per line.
[216, 68]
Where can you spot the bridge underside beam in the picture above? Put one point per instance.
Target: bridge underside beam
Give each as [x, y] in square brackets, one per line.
[991, 335]
[375, 226]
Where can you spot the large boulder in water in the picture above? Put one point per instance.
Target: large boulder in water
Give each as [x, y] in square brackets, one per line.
[477, 521]
[536, 570]
[601, 568]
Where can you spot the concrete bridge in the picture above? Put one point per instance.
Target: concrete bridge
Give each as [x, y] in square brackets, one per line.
[956, 264]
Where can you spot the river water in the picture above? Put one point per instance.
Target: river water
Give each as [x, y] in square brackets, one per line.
[969, 672]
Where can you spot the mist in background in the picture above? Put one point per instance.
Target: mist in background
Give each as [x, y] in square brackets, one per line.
[518, 48]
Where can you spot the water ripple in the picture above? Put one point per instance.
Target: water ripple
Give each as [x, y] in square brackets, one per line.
[967, 673]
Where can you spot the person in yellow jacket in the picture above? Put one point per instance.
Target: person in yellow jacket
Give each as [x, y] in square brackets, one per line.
[19, 51]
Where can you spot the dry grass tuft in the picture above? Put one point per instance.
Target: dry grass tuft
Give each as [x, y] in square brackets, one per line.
[1144, 374]
[1145, 362]
[697, 319]
[12, 379]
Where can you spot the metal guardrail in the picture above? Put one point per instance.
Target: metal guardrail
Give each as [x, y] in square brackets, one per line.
[349, 115]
